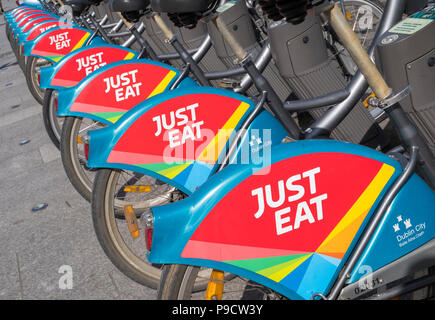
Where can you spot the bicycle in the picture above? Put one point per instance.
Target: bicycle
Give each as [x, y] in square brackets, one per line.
[234, 223]
[110, 144]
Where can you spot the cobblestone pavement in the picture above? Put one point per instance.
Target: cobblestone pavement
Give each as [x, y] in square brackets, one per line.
[35, 246]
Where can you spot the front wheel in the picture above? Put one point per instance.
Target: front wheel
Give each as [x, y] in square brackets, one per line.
[114, 192]
[74, 149]
[21, 58]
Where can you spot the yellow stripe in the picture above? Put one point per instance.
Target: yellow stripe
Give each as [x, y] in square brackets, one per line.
[114, 119]
[279, 272]
[129, 56]
[81, 42]
[361, 207]
[57, 58]
[174, 171]
[163, 84]
[211, 153]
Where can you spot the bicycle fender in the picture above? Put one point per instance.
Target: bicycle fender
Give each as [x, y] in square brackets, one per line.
[38, 20]
[57, 42]
[75, 66]
[10, 16]
[17, 10]
[13, 14]
[32, 3]
[18, 15]
[31, 17]
[290, 225]
[177, 136]
[22, 33]
[22, 15]
[41, 28]
[14, 24]
[109, 92]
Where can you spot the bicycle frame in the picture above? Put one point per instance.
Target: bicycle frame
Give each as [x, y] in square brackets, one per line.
[41, 27]
[30, 27]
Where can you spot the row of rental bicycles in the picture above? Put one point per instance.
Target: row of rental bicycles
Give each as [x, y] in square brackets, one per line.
[258, 149]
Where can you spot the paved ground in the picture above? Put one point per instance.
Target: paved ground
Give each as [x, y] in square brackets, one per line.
[36, 246]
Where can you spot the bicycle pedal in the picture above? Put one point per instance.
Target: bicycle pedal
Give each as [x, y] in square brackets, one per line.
[137, 189]
[130, 218]
[215, 286]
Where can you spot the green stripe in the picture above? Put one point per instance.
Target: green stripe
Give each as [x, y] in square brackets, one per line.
[264, 263]
[161, 166]
[108, 115]
[54, 58]
[272, 270]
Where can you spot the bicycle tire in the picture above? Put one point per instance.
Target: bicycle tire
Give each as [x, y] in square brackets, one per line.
[105, 219]
[108, 235]
[21, 58]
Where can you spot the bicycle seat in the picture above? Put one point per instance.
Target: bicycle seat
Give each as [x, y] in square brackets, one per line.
[293, 11]
[78, 6]
[128, 5]
[180, 6]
